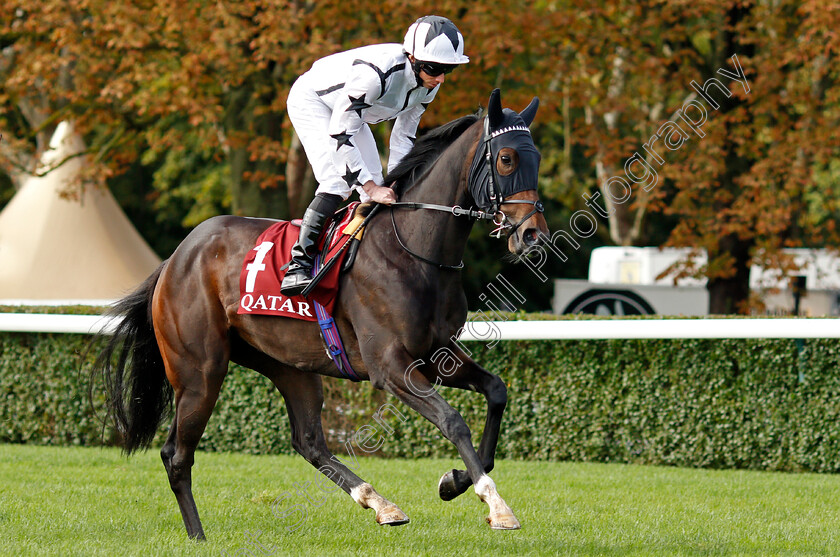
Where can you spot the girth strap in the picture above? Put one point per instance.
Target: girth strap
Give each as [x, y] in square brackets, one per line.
[331, 337]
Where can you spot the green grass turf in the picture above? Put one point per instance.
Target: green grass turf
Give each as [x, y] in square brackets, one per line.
[90, 501]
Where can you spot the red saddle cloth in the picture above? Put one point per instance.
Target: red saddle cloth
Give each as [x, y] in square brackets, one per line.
[264, 268]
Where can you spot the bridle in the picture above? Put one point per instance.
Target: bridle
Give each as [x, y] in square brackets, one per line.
[496, 196]
[493, 213]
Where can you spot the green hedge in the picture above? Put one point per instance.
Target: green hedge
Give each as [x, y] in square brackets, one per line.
[757, 404]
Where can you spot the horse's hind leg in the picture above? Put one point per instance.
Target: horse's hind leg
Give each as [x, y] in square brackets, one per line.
[196, 361]
[304, 399]
[193, 406]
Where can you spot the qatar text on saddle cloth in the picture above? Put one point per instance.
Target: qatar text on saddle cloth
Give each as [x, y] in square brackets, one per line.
[263, 271]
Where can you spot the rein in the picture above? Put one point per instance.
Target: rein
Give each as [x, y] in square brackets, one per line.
[501, 225]
[443, 266]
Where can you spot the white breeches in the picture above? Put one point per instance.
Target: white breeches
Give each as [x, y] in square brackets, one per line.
[310, 117]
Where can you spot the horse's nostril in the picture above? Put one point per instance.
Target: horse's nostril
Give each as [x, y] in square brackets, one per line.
[530, 237]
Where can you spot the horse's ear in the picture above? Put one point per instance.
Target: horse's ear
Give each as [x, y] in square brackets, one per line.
[494, 109]
[530, 111]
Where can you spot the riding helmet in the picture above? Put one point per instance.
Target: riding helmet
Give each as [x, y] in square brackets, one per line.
[433, 38]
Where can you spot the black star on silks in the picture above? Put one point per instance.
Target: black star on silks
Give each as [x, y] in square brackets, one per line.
[342, 138]
[351, 177]
[358, 104]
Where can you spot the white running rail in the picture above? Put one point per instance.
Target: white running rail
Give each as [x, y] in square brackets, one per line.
[491, 331]
[50, 323]
[652, 329]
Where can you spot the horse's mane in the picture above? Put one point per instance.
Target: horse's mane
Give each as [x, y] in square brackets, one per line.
[426, 150]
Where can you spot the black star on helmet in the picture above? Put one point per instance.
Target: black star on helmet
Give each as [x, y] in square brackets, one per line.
[342, 138]
[441, 26]
[358, 104]
[351, 177]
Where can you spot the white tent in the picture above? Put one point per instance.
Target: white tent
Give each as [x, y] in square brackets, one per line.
[53, 248]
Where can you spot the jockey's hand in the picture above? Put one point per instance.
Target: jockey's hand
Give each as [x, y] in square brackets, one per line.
[380, 194]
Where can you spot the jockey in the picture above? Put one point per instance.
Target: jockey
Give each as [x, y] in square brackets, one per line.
[331, 106]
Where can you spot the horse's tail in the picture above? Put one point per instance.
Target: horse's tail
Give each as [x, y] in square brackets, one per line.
[138, 395]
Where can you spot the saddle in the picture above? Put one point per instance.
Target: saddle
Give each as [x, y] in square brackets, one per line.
[339, 224]
[266, 264]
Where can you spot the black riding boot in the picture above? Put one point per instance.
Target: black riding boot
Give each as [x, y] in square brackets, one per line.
[299, 274]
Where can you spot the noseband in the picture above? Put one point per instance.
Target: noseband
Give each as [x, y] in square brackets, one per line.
[504, 223]
[492, 213]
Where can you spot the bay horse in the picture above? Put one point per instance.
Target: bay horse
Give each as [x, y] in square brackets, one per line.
[399, 305]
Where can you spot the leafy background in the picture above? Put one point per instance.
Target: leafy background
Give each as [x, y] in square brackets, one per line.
[183, 108]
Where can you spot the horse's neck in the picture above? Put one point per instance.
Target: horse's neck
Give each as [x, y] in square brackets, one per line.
[444, 183]
[443, 235]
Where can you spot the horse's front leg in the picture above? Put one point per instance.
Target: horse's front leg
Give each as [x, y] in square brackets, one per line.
[468, 375]
[407, 380]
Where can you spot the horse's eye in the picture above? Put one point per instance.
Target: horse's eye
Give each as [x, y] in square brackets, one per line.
[506, 159]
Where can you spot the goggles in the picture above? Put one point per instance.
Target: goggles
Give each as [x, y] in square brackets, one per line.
[433, 69]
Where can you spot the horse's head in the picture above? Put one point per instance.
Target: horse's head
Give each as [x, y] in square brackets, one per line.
[503, 175]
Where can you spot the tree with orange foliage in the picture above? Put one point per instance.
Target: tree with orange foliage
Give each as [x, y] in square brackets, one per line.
[195, 91]
[746, 181]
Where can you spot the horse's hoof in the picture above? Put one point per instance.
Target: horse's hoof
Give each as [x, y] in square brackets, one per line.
[447, 489]
[391, 516]
[504, 522]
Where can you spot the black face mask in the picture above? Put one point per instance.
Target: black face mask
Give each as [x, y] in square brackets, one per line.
[486, 186]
